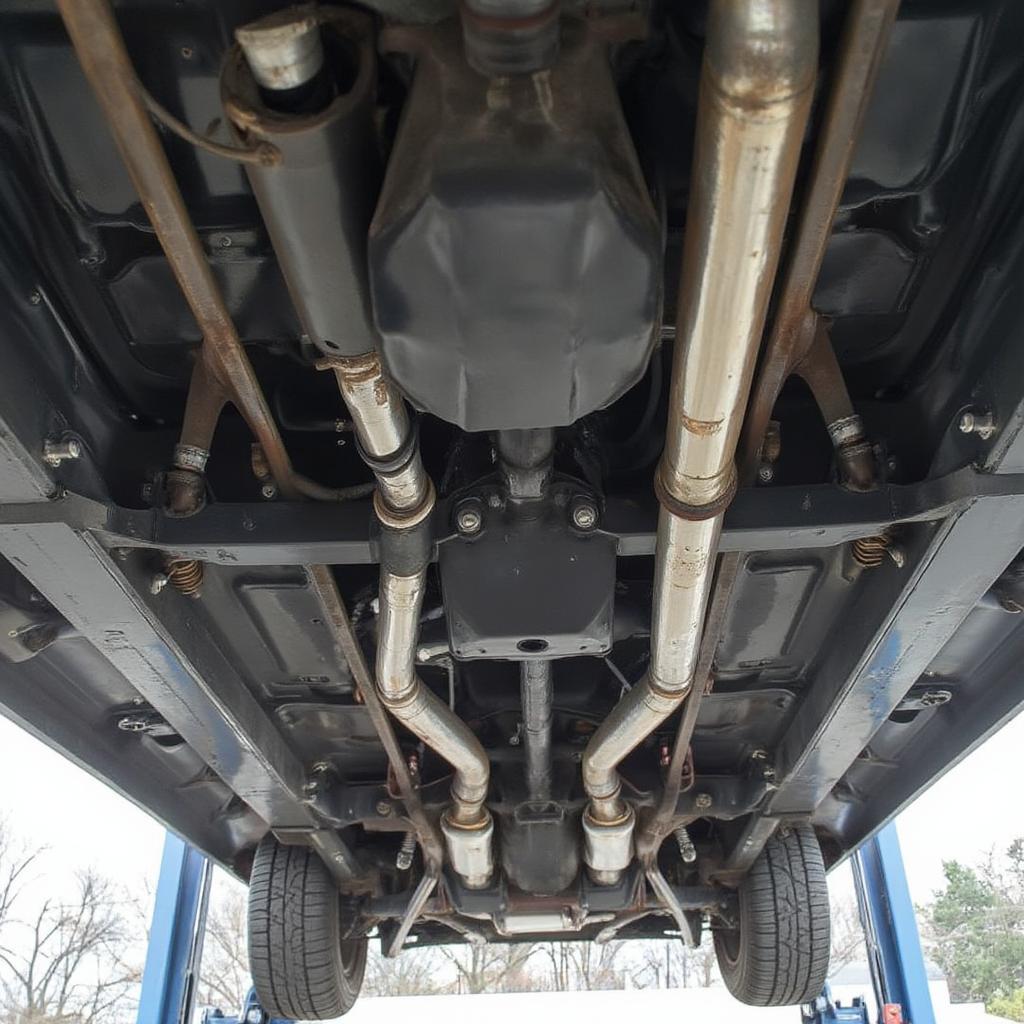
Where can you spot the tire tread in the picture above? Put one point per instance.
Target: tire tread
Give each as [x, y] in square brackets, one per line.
[784, 929]
[301, 967]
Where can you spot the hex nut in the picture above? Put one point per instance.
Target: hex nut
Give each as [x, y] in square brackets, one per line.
[468, 519]
[703, 801]
[584, 514]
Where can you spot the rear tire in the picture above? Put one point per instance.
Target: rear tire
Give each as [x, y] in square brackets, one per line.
[778, 956]
[301, 967]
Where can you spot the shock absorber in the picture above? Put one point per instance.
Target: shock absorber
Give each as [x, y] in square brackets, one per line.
[686, 848]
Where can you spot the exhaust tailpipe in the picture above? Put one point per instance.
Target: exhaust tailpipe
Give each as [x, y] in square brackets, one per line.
[757, 83]
[314, 202]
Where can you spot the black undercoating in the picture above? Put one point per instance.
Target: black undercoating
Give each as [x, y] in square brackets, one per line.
[920, 283]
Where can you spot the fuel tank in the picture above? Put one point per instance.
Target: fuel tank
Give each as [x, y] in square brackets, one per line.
[515, 254]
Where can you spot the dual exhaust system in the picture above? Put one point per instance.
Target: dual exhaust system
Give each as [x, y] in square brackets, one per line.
[757, 84]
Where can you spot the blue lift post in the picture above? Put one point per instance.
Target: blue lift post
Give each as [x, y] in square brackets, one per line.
[895, 958]
[176, 935]
[886, 910]
[890, 928]
[176, 943]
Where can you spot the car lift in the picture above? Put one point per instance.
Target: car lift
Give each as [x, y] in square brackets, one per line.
[895, 958]
[886, 911]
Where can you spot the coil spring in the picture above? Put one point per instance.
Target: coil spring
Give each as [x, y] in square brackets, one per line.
[870, 552]
[186, 576]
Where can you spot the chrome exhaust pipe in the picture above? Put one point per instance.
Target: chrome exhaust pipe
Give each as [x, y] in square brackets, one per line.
[313, 201]
[757, 83]
[403, 503]
[467, 825]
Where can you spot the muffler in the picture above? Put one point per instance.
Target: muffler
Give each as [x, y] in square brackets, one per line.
[303, 81]
[757, 83]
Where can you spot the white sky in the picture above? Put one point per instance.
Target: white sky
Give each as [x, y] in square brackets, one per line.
[49, 801]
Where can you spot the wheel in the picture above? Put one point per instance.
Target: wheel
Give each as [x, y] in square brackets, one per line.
[301, 967]
[778, 956]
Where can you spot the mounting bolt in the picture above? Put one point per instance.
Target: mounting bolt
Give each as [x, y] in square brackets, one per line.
[972, 421]
[765, 473]
[703, 801]
[269, 491]
[384, 809]
[134, 723]
[584, 514]
[468, 518]
[35, 298]
[56, 452]
[158, 582]
[898, 555]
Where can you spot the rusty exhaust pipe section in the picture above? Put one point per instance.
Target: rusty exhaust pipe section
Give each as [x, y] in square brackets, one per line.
[863, 45]
[760, 63]
[223, 373]
[312, 202]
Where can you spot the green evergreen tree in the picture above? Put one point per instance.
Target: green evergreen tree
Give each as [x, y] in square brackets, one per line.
[975, 929]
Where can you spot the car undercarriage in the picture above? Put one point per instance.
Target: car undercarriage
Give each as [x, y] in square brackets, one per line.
[518, 469]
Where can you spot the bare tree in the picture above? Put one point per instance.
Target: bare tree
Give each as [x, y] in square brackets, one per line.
[669, 963]
[491, 967]
[417, 972]
[704, 963]
[68, 962]
[224, 975]
[847, 935]
[561, 978]
[576, 966]
[15, 863]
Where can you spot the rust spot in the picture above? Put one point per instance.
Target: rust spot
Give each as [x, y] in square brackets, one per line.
[354, 370]
[702, 428]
